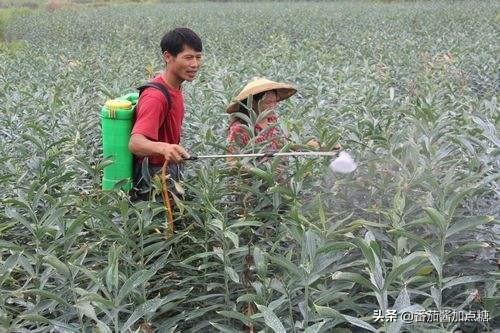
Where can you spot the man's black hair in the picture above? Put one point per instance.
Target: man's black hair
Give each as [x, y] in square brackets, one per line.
[174, 41]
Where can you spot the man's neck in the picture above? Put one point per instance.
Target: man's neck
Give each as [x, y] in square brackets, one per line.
[171, 80]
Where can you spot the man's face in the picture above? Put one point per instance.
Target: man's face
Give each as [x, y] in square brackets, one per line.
[186, 64]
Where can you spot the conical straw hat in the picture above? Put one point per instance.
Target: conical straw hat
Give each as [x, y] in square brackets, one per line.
[258, 85]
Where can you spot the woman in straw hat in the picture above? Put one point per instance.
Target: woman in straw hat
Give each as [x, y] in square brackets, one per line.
[254, 123]
[258, 98]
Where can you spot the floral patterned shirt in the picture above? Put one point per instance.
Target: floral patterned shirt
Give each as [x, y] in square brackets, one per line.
[239, 137]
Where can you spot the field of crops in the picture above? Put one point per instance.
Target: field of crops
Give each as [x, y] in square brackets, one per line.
[409, 89]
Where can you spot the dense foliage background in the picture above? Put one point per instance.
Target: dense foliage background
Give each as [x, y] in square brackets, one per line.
[410, 89]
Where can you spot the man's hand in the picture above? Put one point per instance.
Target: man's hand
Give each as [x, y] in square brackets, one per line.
[171, 152]
[141, 146]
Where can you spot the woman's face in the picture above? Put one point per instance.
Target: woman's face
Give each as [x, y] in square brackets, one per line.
[268, 101]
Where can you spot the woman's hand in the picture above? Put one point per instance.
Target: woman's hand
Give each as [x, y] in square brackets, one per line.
[313, 143]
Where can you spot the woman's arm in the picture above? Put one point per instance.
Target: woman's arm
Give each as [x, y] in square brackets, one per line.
[238, 137]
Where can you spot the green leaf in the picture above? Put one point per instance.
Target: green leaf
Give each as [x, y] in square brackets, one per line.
[354, 277]
[365, 223]
[403, 300]
[321, 211]
[399, 201]
[277, 303]
[177, 295]
[103, 327]
[197, 256]
[271, 319]
[491, 305]
[470, 298]
[11, 263]
[224, 328]
[147, 308]
[395, 326]
[238, 316]
[6, 225]
[454, 281]
[286, 264]
[12, 213]
[377, 274]
[436, 296]
[232, 274]
[206, 297]
[326, 312]
[247, 298]
[468, 223]
[332, 296]
[311, 241]
[418, 222]
[425, 270]
[333, 247]
[436, 218]
[260, 261]
[471, 246]
[359, 323]
[87, 310]
[216, 223]
[60, 267]
[367, 252]
[96, 299]
[34, 318]
[436, 263]
[132, 282]
[48, 295]
[315, 328]
[10, 246]
[244, 118]
[112, 272]
[245, 224]
[267, 176]
[197, 312]
[233, 237]
[408, 263]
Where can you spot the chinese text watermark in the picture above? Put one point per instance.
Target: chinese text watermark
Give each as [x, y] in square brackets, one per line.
[431, 316]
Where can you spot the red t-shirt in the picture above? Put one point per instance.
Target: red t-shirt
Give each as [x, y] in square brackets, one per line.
[156, 121]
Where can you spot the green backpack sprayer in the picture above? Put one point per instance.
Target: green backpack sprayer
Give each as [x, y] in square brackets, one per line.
[117, 120]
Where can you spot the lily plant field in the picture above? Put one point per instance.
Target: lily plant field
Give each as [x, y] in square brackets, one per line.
[409, 89]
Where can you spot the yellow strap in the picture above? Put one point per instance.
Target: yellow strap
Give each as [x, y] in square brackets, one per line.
[115, 104]
[167, 203]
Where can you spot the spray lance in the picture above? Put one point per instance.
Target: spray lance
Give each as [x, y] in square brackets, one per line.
[343, 163]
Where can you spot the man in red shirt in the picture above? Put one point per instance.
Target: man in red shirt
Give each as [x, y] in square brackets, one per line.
[157, 129]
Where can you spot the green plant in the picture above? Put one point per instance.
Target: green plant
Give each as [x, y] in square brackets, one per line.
[412, 229]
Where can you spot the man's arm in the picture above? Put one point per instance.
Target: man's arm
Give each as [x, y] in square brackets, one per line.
[141, 146]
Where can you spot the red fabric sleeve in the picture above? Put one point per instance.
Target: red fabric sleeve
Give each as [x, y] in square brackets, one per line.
[150, 114]
[237, 135]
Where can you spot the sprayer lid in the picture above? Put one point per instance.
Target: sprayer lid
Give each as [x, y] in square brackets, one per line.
[117, 109]
[118, 104]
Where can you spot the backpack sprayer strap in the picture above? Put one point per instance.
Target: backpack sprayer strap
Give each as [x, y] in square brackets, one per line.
[164, 174]
[161, 88]
[167, 201]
